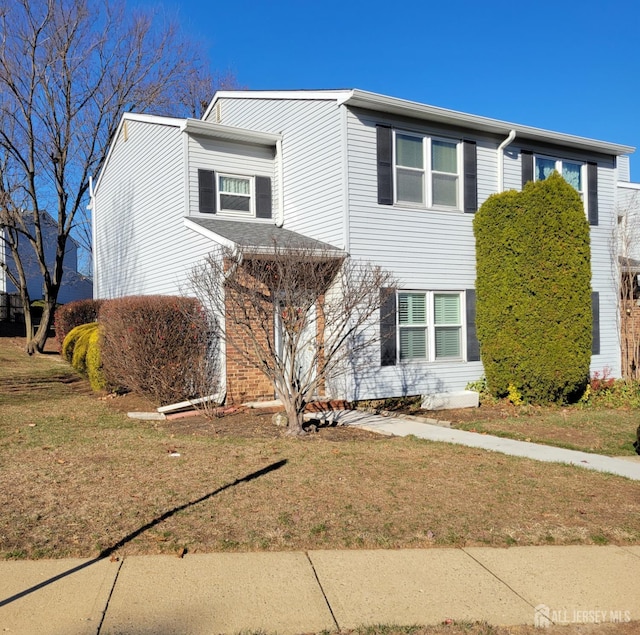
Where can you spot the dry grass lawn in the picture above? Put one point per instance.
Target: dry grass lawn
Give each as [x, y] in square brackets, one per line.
[77, 477]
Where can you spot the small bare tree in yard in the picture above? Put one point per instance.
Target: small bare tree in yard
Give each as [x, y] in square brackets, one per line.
[68, 70]
[298, 315]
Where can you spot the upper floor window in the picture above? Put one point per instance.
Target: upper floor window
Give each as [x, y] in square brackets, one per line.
[570, 170]
[236, 193]
[427, 171]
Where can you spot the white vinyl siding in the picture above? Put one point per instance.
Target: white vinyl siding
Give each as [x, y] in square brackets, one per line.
[312, 159]
[142, 245]
[236, 165]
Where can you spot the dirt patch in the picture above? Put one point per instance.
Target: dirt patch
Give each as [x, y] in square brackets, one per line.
[242, 422]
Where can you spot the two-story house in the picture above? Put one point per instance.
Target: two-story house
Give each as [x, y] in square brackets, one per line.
[383, 179]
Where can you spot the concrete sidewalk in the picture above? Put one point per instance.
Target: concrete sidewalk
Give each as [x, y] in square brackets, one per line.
[628, 467]
[297, 592]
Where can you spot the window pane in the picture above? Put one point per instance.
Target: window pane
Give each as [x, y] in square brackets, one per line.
[412, 308]
[544, 168]
[409, 151]
[444, 157]
[232, 185]
[448, 341]
[445, 190]
[410, 186]
[235, 203]
[413, 343]
[447, 309]
[572, 173]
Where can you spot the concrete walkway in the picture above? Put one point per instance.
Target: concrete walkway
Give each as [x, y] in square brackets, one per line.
[306, 592]
[421, 428]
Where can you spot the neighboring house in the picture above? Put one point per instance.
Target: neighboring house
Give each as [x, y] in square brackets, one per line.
[75, 286]
[386, 180]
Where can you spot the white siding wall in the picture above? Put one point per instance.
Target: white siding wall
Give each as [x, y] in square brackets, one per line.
[142, 245]
[624, 171]
[312, 159]
[226, 156]
[425, 249]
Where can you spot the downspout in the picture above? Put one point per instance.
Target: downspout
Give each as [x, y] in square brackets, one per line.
[501, 147]
[280, 172]
[92, 208]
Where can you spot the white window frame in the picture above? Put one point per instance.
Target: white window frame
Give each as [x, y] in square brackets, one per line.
[251, 196]
[558, 167]
[430, 327]
[428, 172]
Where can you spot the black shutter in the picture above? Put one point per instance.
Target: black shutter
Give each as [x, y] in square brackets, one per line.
[470, 160]
[592, 193]
[388, 310]
[473, 346]
[207, 191]
[385, 169]
[595, 323]
[526, 159]
[263, 197]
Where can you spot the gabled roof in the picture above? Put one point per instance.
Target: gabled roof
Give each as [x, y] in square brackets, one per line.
[402, 107]
[256, 236]
[191, 126]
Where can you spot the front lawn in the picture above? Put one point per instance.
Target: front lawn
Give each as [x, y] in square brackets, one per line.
[608, 431]
[77, 477]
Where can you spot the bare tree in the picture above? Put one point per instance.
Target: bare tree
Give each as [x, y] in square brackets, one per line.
[625, 248]
[301, 316]
[68, 70]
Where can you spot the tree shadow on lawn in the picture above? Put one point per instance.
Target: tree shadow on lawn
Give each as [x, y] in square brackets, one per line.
[105, 553]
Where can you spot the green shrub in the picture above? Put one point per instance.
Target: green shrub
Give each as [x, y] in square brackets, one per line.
[81, 348]
[73, 314]
[71, 340]
[533, 292]
[155, 346]
[94, 363]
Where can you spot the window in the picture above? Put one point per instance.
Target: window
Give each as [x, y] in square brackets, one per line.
[235, 194]
[570, 170]
[429, 325]
[426, 171]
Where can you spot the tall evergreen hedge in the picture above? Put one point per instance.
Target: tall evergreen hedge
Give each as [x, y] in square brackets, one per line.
[533, 291]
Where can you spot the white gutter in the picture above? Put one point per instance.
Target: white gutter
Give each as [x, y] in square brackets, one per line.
[280, 173]
[501, 147]
[92, 208]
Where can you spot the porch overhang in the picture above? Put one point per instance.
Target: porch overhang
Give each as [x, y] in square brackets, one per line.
[259, 238]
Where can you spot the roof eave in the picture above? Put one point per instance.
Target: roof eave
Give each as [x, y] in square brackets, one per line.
[393, 105]
[218, 131]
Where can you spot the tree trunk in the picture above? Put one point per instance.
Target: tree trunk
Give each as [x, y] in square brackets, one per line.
[37, 343]
[294, 417]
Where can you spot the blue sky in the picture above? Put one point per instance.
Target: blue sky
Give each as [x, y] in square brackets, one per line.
[571, 67]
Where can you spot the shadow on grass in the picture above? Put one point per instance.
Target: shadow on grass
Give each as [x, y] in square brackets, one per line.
[105, 553]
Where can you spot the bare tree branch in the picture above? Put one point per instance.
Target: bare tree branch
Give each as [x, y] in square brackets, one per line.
[299, 315]
[68, 70]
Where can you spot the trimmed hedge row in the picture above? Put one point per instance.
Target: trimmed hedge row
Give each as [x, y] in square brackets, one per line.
[156, 346]
[534, 292]
[73, 314]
